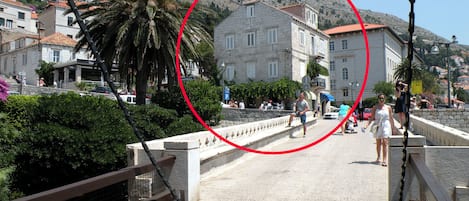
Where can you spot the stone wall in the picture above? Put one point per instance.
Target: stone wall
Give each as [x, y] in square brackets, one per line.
[235, 116]
[454, 118]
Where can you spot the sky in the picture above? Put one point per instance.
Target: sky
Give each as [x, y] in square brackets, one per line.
[442, 17]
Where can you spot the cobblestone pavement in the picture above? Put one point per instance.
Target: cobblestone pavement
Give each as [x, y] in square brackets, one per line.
[339, 168]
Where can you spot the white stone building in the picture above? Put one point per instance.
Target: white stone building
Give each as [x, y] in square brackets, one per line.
[53, 20]
[348, 59]
[258, 42]
[14, 14]
[24, 54]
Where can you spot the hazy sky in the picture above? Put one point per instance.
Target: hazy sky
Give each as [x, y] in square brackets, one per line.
[442, 17]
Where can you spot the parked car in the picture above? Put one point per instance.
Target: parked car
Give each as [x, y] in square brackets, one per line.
[11, 93]
[105, 90]
[333, 114]
[366, 114]
[132, 99]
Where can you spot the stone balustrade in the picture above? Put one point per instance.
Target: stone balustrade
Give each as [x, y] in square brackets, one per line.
[202, 152]
[437, 133]
[450, 117]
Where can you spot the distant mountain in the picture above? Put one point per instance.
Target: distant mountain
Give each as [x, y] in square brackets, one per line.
[338, 12]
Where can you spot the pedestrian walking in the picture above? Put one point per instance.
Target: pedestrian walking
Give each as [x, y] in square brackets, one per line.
[382, 128]
[301, 107]
[343, 110]
[400, 109]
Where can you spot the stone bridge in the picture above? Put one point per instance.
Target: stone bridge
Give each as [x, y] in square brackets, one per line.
[202, 153]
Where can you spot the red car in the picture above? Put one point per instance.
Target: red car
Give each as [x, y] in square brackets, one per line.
[366, 114]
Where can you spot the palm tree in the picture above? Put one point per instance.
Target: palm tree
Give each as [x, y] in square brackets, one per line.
[429, 80]
[402, 73]
[140, 36]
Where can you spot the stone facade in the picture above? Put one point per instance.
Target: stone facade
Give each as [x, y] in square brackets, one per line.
[454, 118]
[268, 45]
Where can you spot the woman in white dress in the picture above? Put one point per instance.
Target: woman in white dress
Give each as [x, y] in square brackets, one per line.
[381, 114]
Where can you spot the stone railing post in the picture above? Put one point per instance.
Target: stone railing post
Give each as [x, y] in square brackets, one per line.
[415, 144]
[185, 174]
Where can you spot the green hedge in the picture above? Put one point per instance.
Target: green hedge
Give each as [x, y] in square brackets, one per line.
[204, 98]
[60, 139]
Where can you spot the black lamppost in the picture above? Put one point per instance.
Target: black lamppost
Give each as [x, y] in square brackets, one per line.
[436, 50]
[222, 71]
[353, 85]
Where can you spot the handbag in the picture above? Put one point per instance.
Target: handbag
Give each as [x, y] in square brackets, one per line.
[374, 129]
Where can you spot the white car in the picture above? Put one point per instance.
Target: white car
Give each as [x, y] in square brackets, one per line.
[333, 114]
[132, 99]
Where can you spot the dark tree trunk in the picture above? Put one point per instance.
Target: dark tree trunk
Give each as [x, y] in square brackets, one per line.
[141, 85]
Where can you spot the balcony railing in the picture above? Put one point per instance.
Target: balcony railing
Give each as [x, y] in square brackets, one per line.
[318, 82]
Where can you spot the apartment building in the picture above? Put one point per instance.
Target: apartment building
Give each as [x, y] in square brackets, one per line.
[259, 42]
[348, 59]
[14, 14]
[53, 20]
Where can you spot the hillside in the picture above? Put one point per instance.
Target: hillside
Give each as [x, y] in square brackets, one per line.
[338, 12]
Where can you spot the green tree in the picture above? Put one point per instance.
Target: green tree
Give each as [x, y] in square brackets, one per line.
[462, 94]
[383, 87]
[313, 70]
[402, 73]
[141, 35]
[47, 72]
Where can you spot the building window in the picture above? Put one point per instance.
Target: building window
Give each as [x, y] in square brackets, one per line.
[273, 69]
[344, 60]
[331, 46]
[56, 56]
[333, 85]
[69, 21]
[25, 59]
[229, 72]
[332, 65]
[345, 74]
[21, 15]
[9, 24]
[345, 92]
[312, 45]
[2, 22]
[302, 37]
[2, 9]
[251, 39]
[250, 11]
[272, 36]
[229, 41]
[251, 70]
[344, 44]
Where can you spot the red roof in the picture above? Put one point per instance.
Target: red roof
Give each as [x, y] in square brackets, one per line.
[353, 28]
[15, 3]
[58, 39]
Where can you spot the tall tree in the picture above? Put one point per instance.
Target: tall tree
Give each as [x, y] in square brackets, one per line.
[141, 35]
[401, 71]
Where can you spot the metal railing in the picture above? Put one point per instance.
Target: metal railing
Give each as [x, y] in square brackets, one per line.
[427, 182]
[79, 189]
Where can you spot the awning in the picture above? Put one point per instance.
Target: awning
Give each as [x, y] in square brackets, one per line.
[327, 97]
[309, 95]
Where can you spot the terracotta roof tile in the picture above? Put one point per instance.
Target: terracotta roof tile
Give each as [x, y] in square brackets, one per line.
[16, 3]
[58, 39]
[64, 4]
[352, 28]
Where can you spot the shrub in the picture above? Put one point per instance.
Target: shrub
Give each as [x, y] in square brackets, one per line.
[203, 96]
[72, 138]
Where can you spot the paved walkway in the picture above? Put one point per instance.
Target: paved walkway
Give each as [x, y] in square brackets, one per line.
[340, 168]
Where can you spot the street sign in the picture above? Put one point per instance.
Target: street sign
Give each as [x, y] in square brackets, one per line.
[226, 93]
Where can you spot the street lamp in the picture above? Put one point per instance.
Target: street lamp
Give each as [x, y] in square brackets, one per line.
[436, 50]
[222, 70]
[353, 85]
